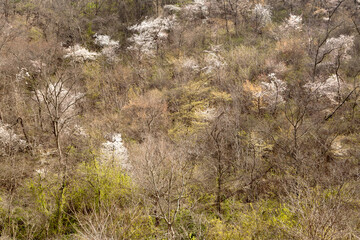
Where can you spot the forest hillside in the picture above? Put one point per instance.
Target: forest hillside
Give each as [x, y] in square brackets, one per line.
[180, 119]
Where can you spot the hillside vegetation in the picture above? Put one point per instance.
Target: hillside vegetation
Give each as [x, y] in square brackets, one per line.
[179, 119]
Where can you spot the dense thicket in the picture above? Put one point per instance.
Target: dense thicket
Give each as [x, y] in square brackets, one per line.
[172, 119]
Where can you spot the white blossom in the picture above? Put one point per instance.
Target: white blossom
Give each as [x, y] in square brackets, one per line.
[214, 61]
[338, 47]
[338, 148]
[22, 75]
[108, 46]
[190, 64]
[105, 41]
[7, 135]
[292, 23]
[332, 4]
[79, 53]
[196, 10]
[171, 9]
[76, 130]
[61, 102]
[330, 89]
[272, 92]
[41, 172]
[150, 33]
[37, 65]
[114, 151]
[200, 2]
[261, 14]
[9, 140]
[208, 114]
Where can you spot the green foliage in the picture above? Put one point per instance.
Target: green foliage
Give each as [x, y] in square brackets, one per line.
[100, 184]
[191, 225]
[92, 73]
[263, 220]
[104, 192]
[35, 34]
[220, 230]
[40, 194]
[190, 100]
[89, 34]
[280, 15]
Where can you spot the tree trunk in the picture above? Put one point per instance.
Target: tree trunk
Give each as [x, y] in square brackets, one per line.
[60, 206]
[219, 184]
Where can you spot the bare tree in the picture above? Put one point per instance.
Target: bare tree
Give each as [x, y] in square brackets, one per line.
[321, 213]
[58, 96]
[320, 51]
[164, 173]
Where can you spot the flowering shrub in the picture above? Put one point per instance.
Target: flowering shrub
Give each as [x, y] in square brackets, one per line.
[108, 46]
[293, 23]
[23, 74]
[329, 89]
[208, 114]
[105, 41]
[80, 54]
[9, 140]
[261, 14]
[338, 47]
[114, 151]
[149, 34]
[60, 101]
[190, 64]
[152, 32]
[171, 9]
[272, 92]
[214, 61]
[196, 10]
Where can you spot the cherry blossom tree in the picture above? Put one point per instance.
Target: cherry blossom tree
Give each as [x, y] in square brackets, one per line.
[114, 151]
[196, 10]
[261, 15]
[292, 24]
[272, 92]
[9, 140]
[108, 46]
[80, 54]
[214, 61]
[190, 64]
[150, 34]
[325, 45]
[338, 47]
[59, 97]
[171, 9]
[330, 89]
